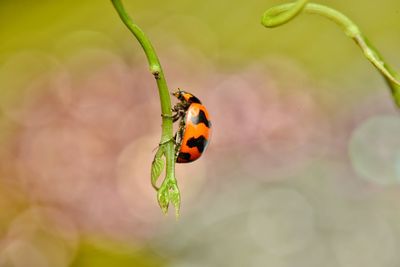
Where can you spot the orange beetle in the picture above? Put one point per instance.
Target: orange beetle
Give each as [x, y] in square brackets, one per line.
[194, 131]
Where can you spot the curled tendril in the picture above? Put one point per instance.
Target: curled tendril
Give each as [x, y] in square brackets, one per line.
[279, 15]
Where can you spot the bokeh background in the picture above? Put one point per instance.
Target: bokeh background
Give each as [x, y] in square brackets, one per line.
[303, 168]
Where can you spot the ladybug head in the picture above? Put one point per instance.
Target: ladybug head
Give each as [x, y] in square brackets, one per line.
[178, 93]
[185, 96]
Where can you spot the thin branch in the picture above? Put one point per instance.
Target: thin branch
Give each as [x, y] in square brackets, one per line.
[169, 191]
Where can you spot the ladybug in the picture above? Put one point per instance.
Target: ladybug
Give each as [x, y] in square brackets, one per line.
[194, 130]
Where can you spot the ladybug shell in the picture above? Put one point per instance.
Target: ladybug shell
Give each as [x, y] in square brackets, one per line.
[197, 133]
[188, 97]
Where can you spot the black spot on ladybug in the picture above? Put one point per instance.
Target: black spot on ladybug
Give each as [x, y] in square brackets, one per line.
[201, 118]
[184, 156]
[194, 99]
[200, 143]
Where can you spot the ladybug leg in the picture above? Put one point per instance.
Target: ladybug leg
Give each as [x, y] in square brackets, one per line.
[180, 107]
[179, 111]
[178, 139]
[179, 136]
[176, 117]
[177, 107]
[179, 115]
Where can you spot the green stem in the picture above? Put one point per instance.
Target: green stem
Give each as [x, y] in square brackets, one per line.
[168, 192]
[282, 14]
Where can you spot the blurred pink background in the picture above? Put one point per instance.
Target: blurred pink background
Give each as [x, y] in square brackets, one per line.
[303, 169]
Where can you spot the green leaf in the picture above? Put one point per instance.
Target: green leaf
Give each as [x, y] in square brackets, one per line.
[157, 166]
[175, 198]
[163, 198]
[169, 193]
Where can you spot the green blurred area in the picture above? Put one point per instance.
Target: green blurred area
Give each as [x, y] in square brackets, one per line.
[109, 253]
[235, 25]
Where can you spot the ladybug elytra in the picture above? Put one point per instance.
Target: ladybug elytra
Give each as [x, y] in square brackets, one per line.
[194, 130]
